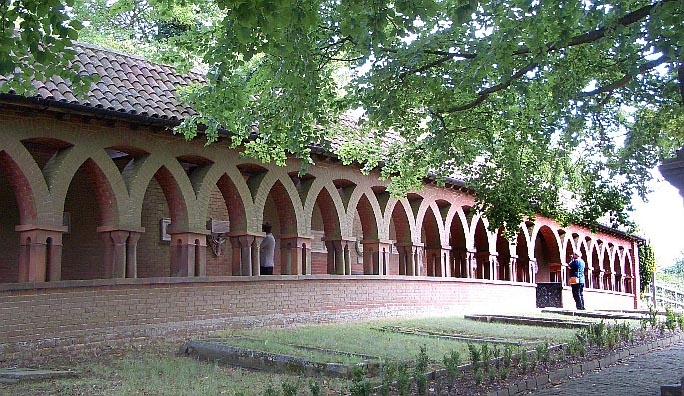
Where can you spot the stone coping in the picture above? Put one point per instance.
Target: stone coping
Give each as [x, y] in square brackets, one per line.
[560, 375]
[232, 279]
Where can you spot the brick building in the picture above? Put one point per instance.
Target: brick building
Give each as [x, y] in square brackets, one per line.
[112, 226]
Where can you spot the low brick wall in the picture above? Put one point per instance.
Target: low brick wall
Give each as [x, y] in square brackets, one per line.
[71, 313]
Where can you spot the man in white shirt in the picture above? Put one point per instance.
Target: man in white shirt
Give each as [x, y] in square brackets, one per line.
[266, 250]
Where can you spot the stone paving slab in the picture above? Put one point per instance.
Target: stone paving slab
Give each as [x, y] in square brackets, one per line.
[16, 374]
[635, 315]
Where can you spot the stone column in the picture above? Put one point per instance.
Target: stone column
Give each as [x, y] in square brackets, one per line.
[132, 254]
[40, 253]
[494, 266]
[188, 253]
[471, 259]
[533, 270]
[513, 269]
[256, 256]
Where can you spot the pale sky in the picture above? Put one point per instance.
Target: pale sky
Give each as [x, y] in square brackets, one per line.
[661, 220]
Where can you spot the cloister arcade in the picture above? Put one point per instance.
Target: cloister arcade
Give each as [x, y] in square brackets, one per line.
[84, 202]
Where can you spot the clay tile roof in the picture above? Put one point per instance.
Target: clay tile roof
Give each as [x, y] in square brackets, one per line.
[126, 83]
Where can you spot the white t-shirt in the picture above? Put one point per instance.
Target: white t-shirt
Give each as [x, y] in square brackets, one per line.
[266, 251]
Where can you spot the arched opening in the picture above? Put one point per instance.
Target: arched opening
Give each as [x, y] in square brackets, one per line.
[279, 211]
[14, 192]
[547, 254]
[596, 281]
[325, 226]
[523, 261]
[432, 244]
[226, 214]
[504, 257]
[617, 272]
[483, 257]
[162, 206]
[567, 256]
[400, 232]
[364, 228]
[459, 254]
[85, 251]
[587, 270]
[607, 270]
[629, 275]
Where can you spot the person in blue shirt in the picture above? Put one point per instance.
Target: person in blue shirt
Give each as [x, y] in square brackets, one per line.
[577, 270]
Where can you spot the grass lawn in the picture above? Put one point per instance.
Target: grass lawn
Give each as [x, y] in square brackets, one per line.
[153, 369]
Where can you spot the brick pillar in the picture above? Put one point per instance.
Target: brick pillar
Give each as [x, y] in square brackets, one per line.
[40, 253]
[243, 260]
[188, 254]
[295, 255]
[120, 251]
[339, 262]
[376, 256]
[412, 261]
[438, 261]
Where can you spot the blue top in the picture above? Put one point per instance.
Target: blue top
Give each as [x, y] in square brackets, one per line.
[577, 269]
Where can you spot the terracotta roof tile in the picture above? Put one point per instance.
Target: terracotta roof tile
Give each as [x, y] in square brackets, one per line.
[126, 84]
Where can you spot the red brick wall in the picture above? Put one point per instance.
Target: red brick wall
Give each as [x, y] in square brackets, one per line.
[74, 312]
[9, 239]
[153, 254]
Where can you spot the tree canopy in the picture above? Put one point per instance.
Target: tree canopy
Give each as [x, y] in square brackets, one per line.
[559, 108]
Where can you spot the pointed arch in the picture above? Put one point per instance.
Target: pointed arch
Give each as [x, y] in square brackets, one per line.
[547, 254]
[482, 249]
[457, 225]
[503, 249]
[84, 248]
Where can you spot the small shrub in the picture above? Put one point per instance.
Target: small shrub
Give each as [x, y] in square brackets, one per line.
[670, 319]
[486, 356]
[475, 355]
[314, 388]
[508, 356]
[360, 384]
[505, 372]
[478, 376]
[652, 316]
[403, 380]
[451, 363]
[271, 391]
[420, 371]
[289, 389]
[524, 360]
[389, 373]
[496, 352]
[543, 352]
[680, 321]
